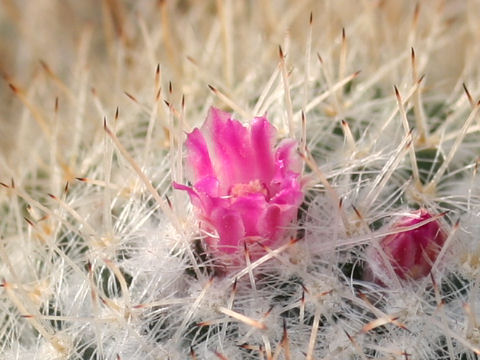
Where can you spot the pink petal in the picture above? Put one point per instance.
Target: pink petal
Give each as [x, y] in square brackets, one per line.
[198, 158]
[200, 200]
[230, 230]
[194, 197]
[263, 137]
[402, 251]
[230, 148]
[208, 185]
[287, 157]
[412, 252]
[250, 207]
[288, 192]
[271, 223]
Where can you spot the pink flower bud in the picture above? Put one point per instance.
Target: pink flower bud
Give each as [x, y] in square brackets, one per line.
[411, 252]
[245, 190]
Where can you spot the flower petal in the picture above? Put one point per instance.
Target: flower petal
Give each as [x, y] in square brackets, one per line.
[288, 196]
[230, 148]
[411, 252]
[198, 158]
[250, 207]
[287, 157]
[194, 197]
[230, 230]
[208, 185]
[263, 137]
[272, 224]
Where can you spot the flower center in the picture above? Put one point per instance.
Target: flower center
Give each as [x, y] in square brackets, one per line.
[253, 187]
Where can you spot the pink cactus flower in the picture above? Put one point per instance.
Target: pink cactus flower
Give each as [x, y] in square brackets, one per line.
[411, 252]
[244, 190]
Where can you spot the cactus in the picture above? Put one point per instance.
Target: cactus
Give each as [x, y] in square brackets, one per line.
[101, 258]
